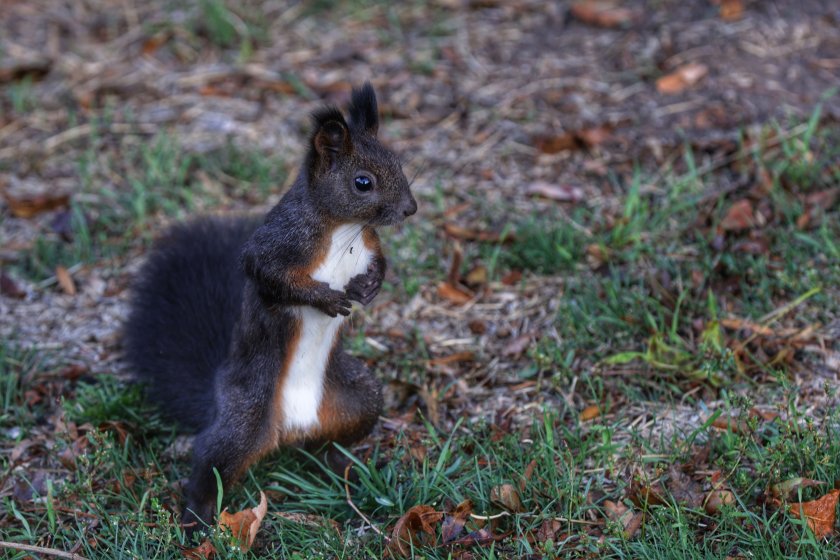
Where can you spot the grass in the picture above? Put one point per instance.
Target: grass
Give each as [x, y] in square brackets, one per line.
[89, 466]
[159, 179]
[115, 499]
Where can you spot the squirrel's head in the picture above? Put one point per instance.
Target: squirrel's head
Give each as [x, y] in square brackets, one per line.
[352, 177]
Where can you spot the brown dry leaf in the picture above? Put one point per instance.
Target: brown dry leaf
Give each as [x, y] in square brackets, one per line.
[816, 205]
[29, 206]
[245, 524]
[527, 474]
[410, 528]
[682, 78]
[731, 10]
[548, 530]
[643, 495]
[556, 144]
[716, 499]
[560, 193]
[740, 216]
[602, 13]
[731, 424]
[454, 523]
[590, 412]
[65, 280]
[9, 288]
[820, 514]
[595, 136]
[630, 520]
[467, 234]
[454, 294]
[456, 358]
[512, 277]
[506, 496]
[204, 551]
[683, 488]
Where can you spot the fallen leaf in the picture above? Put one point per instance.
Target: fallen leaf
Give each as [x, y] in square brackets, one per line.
[245, 524]
[642, 495]
[467, 234]
[458, 357]
[477, 326]
[602, 13]
[733, 425]
[716, 499]
[480, 537]
[454, 523]
[548, 530]
[9, 288]
[454, 294]
[512, 277]
[204, 551]
[560, 193]
[590, 412]
[820, 514]
[410, 528]
[526, 475]
[740, 216]
[65, 280]
[29, 206]
[506, 496]
[629, 520]
[683, 488]
[682, 78]
[731, 10]
[556, 144]
[816, 205]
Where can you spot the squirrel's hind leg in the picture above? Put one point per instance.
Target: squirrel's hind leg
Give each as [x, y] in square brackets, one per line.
[234, 442]
[352, 400]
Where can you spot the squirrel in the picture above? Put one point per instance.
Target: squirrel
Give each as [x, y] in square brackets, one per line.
[234, 323]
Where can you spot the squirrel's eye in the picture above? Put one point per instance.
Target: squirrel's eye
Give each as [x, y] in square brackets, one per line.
[362, 183]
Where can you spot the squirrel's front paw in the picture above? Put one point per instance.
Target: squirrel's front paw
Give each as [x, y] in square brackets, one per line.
[363, 287]
[333, 302]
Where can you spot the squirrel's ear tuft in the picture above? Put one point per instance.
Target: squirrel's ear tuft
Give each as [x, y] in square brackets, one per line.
[330, 135]
[364, 112]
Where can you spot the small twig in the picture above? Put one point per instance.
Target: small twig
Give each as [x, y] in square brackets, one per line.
[41, 550]
[352, 505]
[489, 517]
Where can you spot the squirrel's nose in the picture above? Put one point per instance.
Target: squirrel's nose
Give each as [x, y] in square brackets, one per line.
[410, 208]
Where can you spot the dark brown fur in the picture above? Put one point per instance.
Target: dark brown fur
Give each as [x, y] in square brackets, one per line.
[213, 319]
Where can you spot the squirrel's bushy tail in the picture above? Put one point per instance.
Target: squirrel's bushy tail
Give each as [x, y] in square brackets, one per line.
[184, 305]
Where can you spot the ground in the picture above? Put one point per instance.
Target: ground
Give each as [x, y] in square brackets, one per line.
[610, 331]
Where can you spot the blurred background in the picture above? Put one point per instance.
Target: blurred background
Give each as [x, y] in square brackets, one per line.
[628, 209]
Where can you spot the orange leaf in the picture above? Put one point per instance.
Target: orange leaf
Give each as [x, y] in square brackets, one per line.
[681, 78]
[601, 13]
[409, 529]
[65, 280]
[458, 357]
[454, 294]
[739, 216]
[731, 10]
[204, 551]
[245, 524]
[590, 412]
[820, 514]
[29, 206]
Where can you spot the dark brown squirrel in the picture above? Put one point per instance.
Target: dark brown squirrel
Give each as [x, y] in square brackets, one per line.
[235, 324]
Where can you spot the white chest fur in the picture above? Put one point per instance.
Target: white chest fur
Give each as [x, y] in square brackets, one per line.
[303, 387]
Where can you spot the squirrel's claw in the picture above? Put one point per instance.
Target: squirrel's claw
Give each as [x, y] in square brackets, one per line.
[363, 288]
